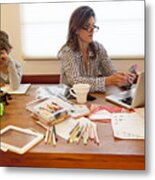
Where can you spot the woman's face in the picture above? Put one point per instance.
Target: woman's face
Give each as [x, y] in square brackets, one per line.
[85, 34]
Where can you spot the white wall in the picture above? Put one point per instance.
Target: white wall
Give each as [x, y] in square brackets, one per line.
[10, 22]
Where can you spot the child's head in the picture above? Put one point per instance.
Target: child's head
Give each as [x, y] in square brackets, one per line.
[4, 42]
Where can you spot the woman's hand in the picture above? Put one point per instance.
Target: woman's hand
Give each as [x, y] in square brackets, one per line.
[118, 79]
[132, 77]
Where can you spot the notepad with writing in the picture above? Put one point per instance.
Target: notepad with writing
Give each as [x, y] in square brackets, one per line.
[128, 125]
[23, 88]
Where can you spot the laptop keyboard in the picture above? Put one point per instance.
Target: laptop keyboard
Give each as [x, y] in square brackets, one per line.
[127, 100]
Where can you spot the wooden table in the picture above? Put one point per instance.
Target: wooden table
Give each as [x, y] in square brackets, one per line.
[112, 153]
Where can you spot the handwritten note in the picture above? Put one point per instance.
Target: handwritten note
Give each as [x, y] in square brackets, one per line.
[128, 125]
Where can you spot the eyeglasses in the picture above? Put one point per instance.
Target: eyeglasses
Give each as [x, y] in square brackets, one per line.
[91, 28]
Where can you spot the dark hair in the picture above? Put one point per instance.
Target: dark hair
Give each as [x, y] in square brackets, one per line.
[4, 42]
[78, 19]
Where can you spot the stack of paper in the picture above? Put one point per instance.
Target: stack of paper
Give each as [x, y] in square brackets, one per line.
[128, 125]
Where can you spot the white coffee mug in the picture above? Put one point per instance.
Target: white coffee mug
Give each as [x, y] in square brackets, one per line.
[80, 91]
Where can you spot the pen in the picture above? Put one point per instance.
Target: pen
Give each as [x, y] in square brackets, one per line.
[72, 131]
[53, 136]
[91, 132]
[41, 124]
[46, 109]
[74, 134]
[79, 135]
[85, 135]
[47, 135]
[54, 130]
[74, 128]
[96, 136]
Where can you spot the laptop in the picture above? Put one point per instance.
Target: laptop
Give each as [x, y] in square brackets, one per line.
[131, 98]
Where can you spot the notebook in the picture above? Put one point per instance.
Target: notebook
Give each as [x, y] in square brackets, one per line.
[23, 88]
[131, 98]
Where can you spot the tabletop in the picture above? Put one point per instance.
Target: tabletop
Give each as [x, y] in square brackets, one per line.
[112, 153]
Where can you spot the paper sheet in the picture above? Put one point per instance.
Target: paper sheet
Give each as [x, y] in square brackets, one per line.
[64, 128]
[128, 125]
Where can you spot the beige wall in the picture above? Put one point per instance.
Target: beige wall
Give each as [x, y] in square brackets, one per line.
[10, 22]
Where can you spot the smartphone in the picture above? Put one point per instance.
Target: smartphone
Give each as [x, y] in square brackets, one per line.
[133, 68]
[89, 97]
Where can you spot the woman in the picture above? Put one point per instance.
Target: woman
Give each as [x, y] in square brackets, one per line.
[10, 70]
[84, 60]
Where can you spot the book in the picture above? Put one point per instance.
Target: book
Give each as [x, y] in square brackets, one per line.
[23, 88]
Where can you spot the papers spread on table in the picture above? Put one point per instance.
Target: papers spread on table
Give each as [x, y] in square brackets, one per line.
[23, 88]
[79, 111]
[100, 113]
[128, 125]
[65, 127]
[84, 130]
[75, 130]
[56, 89]
[55, 109]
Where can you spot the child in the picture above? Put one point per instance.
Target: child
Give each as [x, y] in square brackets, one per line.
[10, 70]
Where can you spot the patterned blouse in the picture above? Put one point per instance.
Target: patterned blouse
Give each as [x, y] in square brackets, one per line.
[73, 70]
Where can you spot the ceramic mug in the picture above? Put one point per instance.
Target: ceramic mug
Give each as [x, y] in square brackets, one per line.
[80, 92]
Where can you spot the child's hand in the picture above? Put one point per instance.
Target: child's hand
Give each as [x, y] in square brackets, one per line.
[4, 60]
[1, 85]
